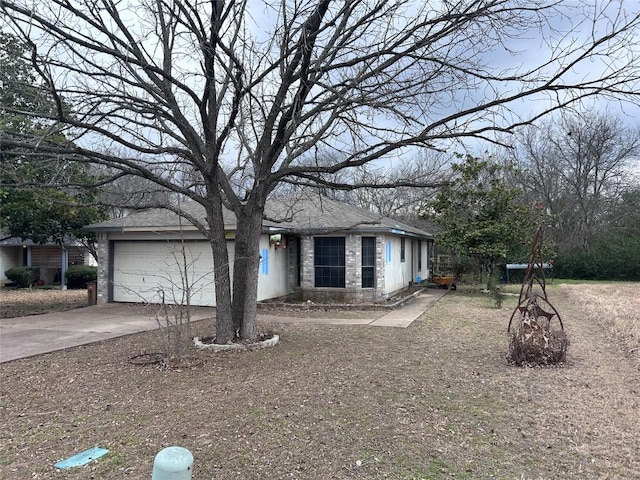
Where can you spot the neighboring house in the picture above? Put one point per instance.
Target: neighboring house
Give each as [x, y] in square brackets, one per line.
[311, 248]
[51, 259]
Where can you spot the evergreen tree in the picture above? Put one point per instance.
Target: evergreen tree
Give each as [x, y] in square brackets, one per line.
[480, 215]
[44, 200]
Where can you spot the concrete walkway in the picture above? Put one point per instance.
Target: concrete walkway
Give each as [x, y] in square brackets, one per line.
[400, 317]
[22, 337]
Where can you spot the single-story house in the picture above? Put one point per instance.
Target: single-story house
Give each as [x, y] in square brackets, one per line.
[312, 248]
[52, 259]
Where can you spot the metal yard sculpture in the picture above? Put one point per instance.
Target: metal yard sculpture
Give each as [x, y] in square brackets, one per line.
[535, 342]
[533, 292]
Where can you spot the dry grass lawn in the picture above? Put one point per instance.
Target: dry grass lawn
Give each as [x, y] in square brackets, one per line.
[434, 401]
[615, 305]
[33, 301]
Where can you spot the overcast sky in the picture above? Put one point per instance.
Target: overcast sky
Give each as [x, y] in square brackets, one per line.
[521, 52]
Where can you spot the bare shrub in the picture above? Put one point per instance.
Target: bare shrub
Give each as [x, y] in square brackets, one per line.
[174, 323]
[533, 344]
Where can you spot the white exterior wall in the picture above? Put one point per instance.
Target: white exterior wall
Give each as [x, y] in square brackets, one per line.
[397, 274]
[89, 260]
[10, 257]
[273, 270]
[422, 273]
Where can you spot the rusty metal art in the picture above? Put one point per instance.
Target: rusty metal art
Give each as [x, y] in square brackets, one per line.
[533, 302]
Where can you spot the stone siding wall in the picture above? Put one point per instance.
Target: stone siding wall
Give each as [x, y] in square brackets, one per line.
[380, 259]
[103, 268]
[307, 262]
[353, 262]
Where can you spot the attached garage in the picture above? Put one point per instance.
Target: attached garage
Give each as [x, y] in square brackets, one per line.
[150, 271]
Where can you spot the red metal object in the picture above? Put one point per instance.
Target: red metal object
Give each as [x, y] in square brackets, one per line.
[444, 281]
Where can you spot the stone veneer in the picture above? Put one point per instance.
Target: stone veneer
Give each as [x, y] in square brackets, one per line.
[103, 268]
[292, 261]
[353, 291]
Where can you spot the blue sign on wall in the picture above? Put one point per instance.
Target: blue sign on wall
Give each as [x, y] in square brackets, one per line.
[264, 261]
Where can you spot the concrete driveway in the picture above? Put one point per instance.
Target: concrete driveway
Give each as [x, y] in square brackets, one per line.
[22, 337]
[35, 334]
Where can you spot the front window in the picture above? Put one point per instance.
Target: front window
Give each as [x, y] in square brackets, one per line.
[402, 247]
[368, 261]
[329, 262]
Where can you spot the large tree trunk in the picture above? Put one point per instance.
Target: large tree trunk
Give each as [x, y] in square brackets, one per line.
[245, 271]
[225, 332]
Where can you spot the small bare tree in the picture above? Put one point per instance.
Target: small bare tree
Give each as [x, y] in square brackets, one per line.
[174, 295]
[174, 309]
[234, 95]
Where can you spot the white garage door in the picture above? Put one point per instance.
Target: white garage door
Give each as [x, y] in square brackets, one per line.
[145, 271]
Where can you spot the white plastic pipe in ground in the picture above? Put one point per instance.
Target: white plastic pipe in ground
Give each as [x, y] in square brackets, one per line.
[173, 463]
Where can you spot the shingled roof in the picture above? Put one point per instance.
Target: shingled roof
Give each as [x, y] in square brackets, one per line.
[318, 215]
[292, 214]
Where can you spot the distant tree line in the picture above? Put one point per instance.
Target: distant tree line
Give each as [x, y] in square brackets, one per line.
[585, 170]
[577, 175]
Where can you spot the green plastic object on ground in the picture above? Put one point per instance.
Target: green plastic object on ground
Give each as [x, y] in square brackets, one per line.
[173, 463]
[82, 458]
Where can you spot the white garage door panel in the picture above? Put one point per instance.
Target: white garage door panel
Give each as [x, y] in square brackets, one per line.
[147, 271]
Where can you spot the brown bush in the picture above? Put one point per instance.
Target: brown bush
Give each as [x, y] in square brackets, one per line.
[533, 345]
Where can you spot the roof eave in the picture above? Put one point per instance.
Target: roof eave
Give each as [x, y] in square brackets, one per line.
[327, 231]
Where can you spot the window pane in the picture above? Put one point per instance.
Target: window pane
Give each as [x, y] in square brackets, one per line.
[368, 251]
[329, 259]
[368, 261]
[330, 277]
[368, 279]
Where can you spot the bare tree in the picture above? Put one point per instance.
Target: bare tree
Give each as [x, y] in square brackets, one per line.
[578, 166]
[395, 190]
[234, 95]
[403, 199]
[128, 193]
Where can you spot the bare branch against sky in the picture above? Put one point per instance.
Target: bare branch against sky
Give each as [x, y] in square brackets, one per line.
[152, 82]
